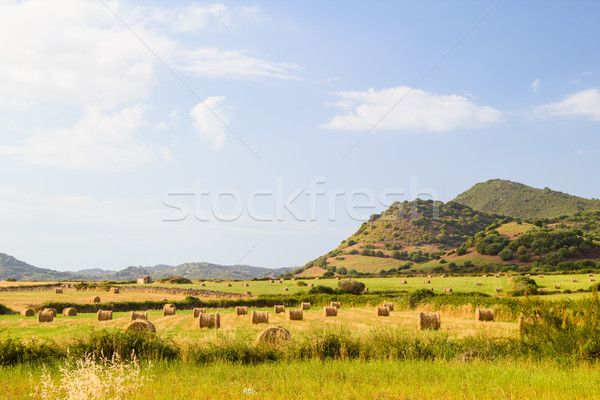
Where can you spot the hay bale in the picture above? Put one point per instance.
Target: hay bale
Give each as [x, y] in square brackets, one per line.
[284, 289]
[281, 281]
[498, 289]
[590, 274]
[427, 281]
[271, 281]
[51, 310]
[260, 317]
[273, 335]
[390, 306]
[28, 312]
[429, 320]
[540, 276]
[114, 290]
[592, 279]
[382, 311]
[484, 314]
[279, 308]
[141, 325]
[104, 315]
[574, 280]
[295, 315]
[202, 285]
[138, 316]
[58, 291]
[366, 289]
[479, 283]
[556, 286]
[94, 299]
[247, 293]
[241, 310]
[305, 306]
[69, 312]
[329, 311]
[484, 276]
[403, 282]
[169, 309]
[498, 275]
[311, 285]
[45, 316]
[212, 320]
[448, 290]
[543, 291]
[245, 284]
[228, 285]
[336, 304]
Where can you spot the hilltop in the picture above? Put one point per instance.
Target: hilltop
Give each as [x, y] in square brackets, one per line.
[407, 233]
[521, 201]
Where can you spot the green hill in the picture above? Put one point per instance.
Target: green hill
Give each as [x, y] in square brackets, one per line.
[521, 201]
[407, 233]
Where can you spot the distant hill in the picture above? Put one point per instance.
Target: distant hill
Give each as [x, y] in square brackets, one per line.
[406, 234]
[10, 267]
[521, 201]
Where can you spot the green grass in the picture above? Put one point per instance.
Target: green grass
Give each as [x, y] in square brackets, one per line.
[413, 380]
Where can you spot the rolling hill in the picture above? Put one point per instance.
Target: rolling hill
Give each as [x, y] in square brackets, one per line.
[10, 267]
[521, 201]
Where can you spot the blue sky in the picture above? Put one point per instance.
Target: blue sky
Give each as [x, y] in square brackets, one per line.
[138, 133]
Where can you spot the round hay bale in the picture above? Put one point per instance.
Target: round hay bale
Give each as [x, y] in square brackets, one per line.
[498, 289]
[403, 282]
[260, 317]
[543, 291]
[206, 320]
[104, 315]
[202, 285]
[498, 275]
[574, 280]
[198, 311]
[390, 306]
[429, 320]
[479, 283]
[273, 335]
[245, 284]
[58, 291]
[69, 312]
[448, 290]
[284, 289]
[247, 293]
[271, 281]
[336, 304]
[28, 312]
[557, 286]
[281, 281]
[484, 314]
[382, 311]
[138, 316]
[590, 274]
[114, 290]
[241, 310]
[329, 311]
[45, 316]
[94, 299]
[427, 281]
[141, 325]
[295, 315]
[592, 279]
[228, 285]
[366, 289]
[484, 276]
[279, 308]
[311, 285]
[168, 309]
[305, 306]
[51, 311]
[540, 276]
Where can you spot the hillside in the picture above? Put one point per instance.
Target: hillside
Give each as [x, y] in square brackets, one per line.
[406, 234]
[10, 267]
[521, 201]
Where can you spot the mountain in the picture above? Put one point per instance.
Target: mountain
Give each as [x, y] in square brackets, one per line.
[521, 201]
[406, 234]
[10, 267]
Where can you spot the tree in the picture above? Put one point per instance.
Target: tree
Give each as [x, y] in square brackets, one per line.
[506, 254]
[342, 271]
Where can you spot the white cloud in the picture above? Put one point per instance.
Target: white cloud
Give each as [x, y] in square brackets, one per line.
[210, 118]
[98, 141]
[418, 110]
[216, 63]
[535, 85]
[195, 18]
[581, 104]
[75, 52]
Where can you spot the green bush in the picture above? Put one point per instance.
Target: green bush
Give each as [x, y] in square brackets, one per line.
[320, 289]
[506, 254]
[351, 286]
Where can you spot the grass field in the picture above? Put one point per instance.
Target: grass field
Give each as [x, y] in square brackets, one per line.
[350, 380]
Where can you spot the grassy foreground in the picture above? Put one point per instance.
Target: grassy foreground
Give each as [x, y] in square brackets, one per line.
[350, 380]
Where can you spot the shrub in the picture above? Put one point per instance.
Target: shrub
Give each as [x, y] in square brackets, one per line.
[506, 254]
[301, 283]
[178, 280]
[416, 297]
[320, 289]
[461, 251]
[351, 286]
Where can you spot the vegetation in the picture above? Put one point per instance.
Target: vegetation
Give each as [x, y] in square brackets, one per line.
[520, 201]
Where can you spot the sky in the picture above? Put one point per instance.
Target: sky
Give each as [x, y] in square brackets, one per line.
[265, 133]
